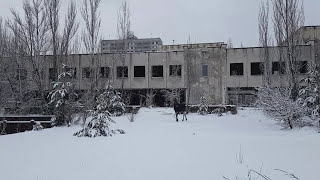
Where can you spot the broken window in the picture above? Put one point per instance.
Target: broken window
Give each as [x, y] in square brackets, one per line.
[139, 71]
[236, 69]
[122, 71]
[303, 67]
[204, 70]
[175, 70]
[104, 72]
[278, 67]
[257, 68]
[21, 74]
[87, 72]
[157, 71]
[52, 74]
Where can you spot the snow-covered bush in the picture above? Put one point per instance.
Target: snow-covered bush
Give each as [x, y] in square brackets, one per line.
[37, 127]
[309, 97]
[203, 106]
[100, 117]
[150, 99]
[171, 96]
[131, 116]
[277, 104]
[61, 97]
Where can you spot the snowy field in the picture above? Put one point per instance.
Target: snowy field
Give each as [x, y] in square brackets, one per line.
[155, 147]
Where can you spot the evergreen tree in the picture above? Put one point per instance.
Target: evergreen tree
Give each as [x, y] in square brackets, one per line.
[61, 97]
[203, 107]
[100, 117]
[113, 102]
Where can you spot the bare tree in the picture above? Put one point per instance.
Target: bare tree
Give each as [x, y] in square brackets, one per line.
[52, 9]
[35, 34]
[288, 17]
[91, 17]
[71, 26]
[4, 89]
[61, 43]
[123, 28]
[90, 37]
[11, 60]
[265, 42]
[76, 47]
[229, 44]
[189, 55]
[31, 32]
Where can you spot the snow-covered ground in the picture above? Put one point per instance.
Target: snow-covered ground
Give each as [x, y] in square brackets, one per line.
[155, 147]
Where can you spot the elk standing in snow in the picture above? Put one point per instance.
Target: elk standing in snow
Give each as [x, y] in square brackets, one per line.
[180, 108]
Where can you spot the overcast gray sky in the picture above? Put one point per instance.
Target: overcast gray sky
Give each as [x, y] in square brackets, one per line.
[203, 20]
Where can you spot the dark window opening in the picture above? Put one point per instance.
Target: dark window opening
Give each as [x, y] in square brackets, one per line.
[279, 67]
[72, 71]
[122, 71]
[139, 71]
[52, 74]
[37, 73]
[257, 68]
[104, 72]
[87, 72]
[175, 70]
[21, 74]
[236, 69]
[303, 69]
[204, 70]
[157, 71]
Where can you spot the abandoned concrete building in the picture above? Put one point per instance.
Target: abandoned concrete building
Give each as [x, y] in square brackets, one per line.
[134, 44]
[222, 75]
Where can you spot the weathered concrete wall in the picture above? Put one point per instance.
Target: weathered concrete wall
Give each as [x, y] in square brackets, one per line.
[251, 55]
[210, 86]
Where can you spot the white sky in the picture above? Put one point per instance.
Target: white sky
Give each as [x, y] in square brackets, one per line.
[203, 20]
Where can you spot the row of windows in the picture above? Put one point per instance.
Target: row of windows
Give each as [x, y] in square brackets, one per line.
[138, 71]
[131, 49]
[104, 72]
[122, 72]
[132, 44]
[23, 73]
[156, 71]
[257, 68]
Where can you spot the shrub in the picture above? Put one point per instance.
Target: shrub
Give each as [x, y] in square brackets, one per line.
[277, 104]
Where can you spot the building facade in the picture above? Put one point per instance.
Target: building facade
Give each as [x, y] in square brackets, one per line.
[223, 75]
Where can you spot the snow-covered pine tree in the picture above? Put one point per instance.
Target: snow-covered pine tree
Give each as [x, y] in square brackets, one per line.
[61, 95]
[309, 96]
[113, 101]
[203, 107]
[100, 117]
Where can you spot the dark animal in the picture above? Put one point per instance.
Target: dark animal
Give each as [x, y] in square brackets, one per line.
[180, 109]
